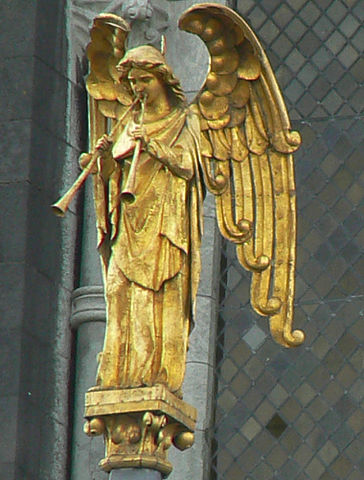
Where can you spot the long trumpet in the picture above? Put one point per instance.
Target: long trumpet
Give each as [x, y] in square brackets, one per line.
[60, 208]
[128, 194]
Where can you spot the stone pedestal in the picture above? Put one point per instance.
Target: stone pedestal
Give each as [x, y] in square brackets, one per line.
[139, 426]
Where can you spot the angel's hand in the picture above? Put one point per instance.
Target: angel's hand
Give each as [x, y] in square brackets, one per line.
[138, 132]
[84, 160]
[103, 145]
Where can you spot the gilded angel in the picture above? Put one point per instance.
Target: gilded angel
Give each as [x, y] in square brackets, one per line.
[150, 174]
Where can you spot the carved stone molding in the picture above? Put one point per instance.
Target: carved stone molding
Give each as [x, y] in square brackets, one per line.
[148, 22]
[139, 426]
[88, 305]
[137, 10]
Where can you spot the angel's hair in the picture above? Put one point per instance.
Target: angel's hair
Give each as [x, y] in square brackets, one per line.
[151, 59]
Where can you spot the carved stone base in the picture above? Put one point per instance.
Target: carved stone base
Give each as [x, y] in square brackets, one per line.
[139, 425]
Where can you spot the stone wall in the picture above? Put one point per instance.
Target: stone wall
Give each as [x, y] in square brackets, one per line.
[37, 250]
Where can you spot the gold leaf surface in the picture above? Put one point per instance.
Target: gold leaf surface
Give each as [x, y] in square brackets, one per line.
[221, 84]
[225, 63]
[213, 107]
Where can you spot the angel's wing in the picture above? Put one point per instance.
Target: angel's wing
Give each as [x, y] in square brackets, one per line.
[247, 150]
[108, 100]
[109, 97]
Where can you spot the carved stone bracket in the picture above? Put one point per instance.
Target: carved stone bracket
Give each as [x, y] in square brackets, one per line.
[139, 426]
[148, 22]
[137, 10]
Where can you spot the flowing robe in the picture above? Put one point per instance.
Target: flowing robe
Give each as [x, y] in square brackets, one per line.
[152, 264]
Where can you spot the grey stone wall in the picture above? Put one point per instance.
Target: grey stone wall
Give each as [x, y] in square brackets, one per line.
[37, 250]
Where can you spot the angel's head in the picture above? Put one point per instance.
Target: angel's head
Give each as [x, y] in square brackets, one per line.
[151, 60]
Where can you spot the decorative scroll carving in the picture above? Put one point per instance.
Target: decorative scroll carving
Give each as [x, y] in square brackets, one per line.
[148, 20]
[133, 10]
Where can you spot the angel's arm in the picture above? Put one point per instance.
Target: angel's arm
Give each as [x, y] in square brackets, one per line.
[176, 159]
[106, 164]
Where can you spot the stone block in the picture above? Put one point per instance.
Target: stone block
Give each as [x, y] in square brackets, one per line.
[49, 98]
[9, 421]
[12, 280]
[31, 418]
[10, 348]
[51, 36]
[8, 470]
[36, 371]
[54, 164]
[61, 337]
[44, 376]
[44, 307]
[210, 259]
[59, 408]
[54, 452]
[14, 205]
[14, 152]
[44, 236]
[40, 296]
[77, 131]
[203, 336]
[17, 31]
[45, 367]
[198, 391]
[16, 76]
[209, 208]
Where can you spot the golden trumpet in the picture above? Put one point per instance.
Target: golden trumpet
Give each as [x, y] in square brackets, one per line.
[128, 194]
[60, 208]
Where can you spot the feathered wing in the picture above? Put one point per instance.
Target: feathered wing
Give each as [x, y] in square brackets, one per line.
[105, 50]
[108, 100]
[247, 150]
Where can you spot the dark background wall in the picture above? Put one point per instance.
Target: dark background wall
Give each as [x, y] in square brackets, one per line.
[36, 249]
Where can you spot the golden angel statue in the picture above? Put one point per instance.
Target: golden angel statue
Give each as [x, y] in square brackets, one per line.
[150, 174]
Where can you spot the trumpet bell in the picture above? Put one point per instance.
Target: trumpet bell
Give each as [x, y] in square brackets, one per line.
[127, 197]
[57, 210]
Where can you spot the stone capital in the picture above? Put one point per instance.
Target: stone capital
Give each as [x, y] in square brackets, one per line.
[88, 305]
[139, 426]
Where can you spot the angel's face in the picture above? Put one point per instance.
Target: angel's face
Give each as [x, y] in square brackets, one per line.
[146, 83]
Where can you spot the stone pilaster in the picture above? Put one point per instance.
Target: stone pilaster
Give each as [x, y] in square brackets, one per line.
[88, 320]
